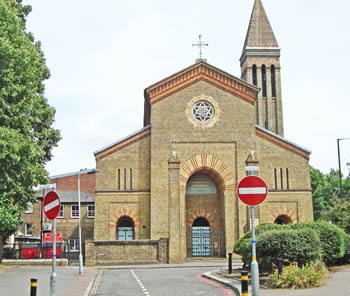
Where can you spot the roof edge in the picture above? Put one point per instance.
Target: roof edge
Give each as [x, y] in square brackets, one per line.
[283, 139]
[81, 172]
[121, 140]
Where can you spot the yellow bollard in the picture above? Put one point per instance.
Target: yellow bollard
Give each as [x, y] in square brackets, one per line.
[33, 286]
[244, 281]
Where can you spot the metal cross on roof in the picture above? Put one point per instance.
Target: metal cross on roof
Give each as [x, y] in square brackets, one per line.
[200, 44]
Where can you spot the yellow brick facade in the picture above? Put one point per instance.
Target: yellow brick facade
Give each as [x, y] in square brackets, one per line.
[144, 178]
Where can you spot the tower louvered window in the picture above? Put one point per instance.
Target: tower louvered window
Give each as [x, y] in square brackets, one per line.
[255, 78]
[263, 78]
[273, 81]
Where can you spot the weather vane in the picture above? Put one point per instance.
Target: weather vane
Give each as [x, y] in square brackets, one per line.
[200, 44]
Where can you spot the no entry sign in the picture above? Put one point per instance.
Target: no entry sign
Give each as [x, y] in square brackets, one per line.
[51, 205]
[252, 190]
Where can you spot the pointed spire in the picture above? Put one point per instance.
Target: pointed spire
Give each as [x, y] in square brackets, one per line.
[259, 33]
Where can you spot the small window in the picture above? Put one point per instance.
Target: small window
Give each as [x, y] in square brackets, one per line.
[275, 174]
[281, 172]
[287, 176]
[28, 229]
[118, 179]
[90, 211]
[73, 245]
[124, 179]
[61, 212]
[130, 179]
[29, 209]
[75, 211]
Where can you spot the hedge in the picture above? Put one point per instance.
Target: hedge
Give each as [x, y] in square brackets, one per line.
[302, 246]
[331, 240]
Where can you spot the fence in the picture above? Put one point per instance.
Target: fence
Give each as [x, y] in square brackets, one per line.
[36, 250]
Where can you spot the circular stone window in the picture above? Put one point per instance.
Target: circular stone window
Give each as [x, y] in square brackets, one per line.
[203, 111]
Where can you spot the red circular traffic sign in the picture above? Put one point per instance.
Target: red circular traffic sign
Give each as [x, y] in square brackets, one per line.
[252, 190]
[51, 205]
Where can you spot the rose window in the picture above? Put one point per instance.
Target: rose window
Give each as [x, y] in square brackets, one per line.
[203, 111]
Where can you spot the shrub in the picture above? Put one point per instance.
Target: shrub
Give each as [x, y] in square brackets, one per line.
[346, 258]
[246, 239]
[331, 237]
[302, 246]
[294, 276]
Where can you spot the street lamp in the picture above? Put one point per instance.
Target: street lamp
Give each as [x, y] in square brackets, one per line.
[90, 171]
[340, 184]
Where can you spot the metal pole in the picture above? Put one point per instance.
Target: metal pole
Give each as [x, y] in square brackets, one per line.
[80, 255]
[254, 264]
[340, 183]
[229, 263]
[53, 274]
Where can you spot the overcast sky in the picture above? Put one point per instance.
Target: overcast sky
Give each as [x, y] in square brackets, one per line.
[103, 54]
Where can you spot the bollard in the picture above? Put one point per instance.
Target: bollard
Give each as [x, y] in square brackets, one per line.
[244, 281]
[230, 263]
[279, 262]
[33, 286]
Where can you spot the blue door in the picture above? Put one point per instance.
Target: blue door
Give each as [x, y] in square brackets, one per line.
[125, 233]
[200, 241]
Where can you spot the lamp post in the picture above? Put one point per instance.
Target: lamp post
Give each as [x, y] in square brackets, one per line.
[340, 181]
[90, 171]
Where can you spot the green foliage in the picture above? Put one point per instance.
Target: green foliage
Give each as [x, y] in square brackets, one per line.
[331, 239]
[245, 240]
[299, 277]
[328, 205]
[26, 133]
[290, 241]
[346, 258]
[302, 246]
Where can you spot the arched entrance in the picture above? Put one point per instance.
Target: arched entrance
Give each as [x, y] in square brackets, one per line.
[283, 219]
[205, 232]
[125, 228]
[201, 238]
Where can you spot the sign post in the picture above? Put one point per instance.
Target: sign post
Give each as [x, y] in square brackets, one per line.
[252, 191]
[51, 208]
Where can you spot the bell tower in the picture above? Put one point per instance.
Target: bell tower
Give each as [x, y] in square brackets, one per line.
[260, 66]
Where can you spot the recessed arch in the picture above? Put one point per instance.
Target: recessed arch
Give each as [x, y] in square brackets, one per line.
[209, 165]
[283, 212]
[283, 219]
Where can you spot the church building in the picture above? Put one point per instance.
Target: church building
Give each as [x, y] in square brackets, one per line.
[175, 179]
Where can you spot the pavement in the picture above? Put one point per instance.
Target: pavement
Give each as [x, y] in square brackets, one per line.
[15, 280]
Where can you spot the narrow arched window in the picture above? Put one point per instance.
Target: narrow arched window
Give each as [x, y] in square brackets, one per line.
[255, 78]
[263, 78]
[273, 81]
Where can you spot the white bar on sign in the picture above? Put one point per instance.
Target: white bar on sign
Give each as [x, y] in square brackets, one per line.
[252, 168]
[51, 205]
[252, 190]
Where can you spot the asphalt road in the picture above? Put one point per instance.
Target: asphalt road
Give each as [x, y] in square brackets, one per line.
[158, 282]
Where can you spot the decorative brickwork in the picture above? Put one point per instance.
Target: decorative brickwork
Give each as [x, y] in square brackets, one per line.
[202, 72]
[205, 160]
[283, 211]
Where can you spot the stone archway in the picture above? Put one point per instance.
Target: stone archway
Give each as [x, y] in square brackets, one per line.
[207, 172]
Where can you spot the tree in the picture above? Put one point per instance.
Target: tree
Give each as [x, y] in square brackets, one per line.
[26, 133]
[327, 202]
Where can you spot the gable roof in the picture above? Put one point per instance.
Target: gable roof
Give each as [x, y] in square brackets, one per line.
[282, 142]
[201, 71]
[122, 143]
